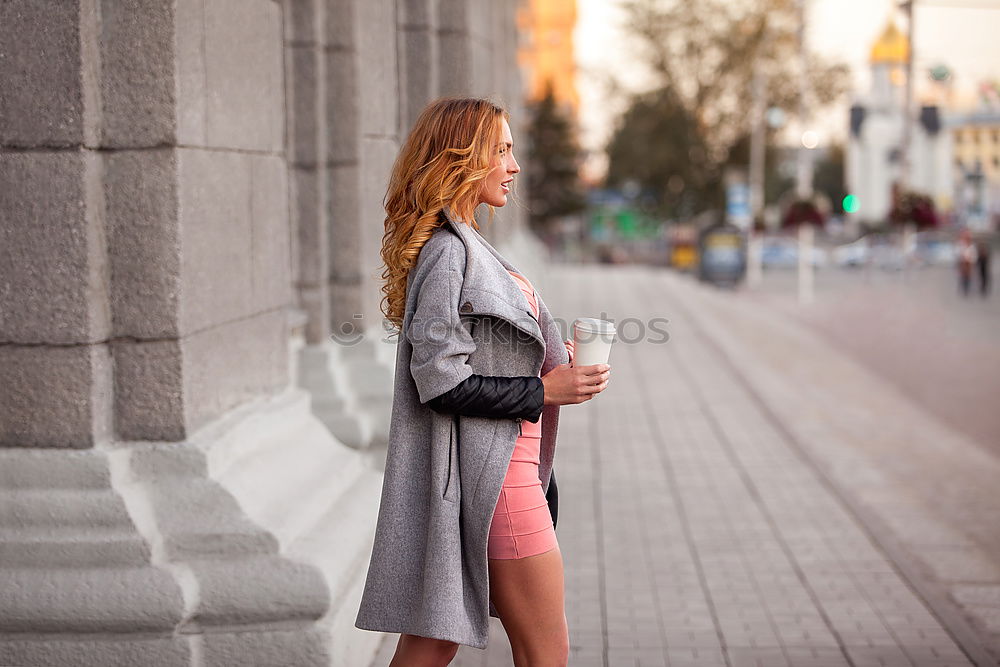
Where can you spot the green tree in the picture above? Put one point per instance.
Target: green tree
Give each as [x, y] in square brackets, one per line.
[657, 145]
[554, 188]
[829, 177]
[701, 57]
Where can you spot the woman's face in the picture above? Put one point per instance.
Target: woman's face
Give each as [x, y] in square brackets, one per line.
[496, 185]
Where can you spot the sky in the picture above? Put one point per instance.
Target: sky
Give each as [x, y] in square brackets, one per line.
[961, 34]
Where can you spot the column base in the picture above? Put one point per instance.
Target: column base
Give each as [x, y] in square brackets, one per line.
[246, 544]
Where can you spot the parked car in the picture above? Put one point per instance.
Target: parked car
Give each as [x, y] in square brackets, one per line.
[851, 254]
[934, 250]
[886, 252]
[872, 250]
[783, 253]
[887, 256]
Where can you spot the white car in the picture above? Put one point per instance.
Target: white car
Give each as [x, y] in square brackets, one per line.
[851, 254]
[783, 253]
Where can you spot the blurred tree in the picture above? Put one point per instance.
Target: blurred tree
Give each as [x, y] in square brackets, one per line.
[829, 177]
[554, 188]
[702, 56]
[802, 211]
[912, 206]
[657, 144]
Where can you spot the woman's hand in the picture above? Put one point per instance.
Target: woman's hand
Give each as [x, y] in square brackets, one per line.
[566, 384]
[571, 349]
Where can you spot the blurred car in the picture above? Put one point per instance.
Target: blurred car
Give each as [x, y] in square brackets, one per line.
[783, 253]
[926, 249]
[871, 250]
[933, 250]
[851, 254]
[887, 256]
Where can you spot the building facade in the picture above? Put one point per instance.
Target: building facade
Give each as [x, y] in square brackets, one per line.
[976, 140]
[194, 378]
[873, 155]
[546, 50]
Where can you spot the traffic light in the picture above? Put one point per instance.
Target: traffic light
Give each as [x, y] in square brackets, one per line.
[850, 204]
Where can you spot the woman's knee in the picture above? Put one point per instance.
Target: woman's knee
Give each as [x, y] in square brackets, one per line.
[552, 652]
[425, 650]
[545, 644]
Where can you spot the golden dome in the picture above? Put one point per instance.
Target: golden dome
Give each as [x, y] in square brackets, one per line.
[892, 48]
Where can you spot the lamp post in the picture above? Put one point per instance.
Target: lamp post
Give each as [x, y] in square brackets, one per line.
[904, 148]
[757, 146]
[804, 172]
[905, 156]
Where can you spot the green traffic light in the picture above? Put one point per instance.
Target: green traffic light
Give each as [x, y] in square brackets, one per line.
[850, 204]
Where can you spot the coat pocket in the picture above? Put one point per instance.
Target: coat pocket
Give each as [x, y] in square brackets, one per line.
[452, 493]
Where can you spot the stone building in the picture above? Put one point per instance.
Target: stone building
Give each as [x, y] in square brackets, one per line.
[546, 50]
[976, 138]
[194, 381]
[873, 155]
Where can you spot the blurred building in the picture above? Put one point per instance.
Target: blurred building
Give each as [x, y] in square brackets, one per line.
[195, 380]
[876, 133]
[546, 49]
[976, 140]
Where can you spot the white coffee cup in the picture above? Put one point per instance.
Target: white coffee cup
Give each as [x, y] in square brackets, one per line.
[592, 340]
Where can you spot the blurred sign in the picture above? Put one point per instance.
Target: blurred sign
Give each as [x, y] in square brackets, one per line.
[738, 204]
[722, 254]
[683, 257]
[683, 241]
[627, 223]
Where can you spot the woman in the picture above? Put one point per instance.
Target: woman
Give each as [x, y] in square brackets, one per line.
[463, 531]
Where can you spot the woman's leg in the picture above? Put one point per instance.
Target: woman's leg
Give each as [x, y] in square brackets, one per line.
[416, 651]
[529, 595]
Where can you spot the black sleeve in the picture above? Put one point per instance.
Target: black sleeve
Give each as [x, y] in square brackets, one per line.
[494, 396]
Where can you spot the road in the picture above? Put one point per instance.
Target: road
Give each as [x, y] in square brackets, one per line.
[915, 330]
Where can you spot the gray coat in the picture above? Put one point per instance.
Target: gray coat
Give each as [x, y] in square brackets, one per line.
[464, 314]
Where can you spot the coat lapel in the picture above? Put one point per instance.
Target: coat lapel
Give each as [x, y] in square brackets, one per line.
[487, 288]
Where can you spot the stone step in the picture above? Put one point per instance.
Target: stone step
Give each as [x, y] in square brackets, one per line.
[285, 484]
[44, 597]
[339, 542]
[73, 549]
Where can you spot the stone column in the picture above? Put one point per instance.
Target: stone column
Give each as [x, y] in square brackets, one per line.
[455, 47]
[343, 153]
[350, 384]
[419, 58]
[166, 496]
[305, 66]
[353, 378]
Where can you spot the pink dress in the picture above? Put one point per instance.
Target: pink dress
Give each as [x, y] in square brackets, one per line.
[522, 524]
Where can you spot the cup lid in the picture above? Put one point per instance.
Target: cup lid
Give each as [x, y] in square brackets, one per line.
[595, 325]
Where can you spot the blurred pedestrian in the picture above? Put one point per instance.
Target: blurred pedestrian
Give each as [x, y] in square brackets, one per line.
[983, 264]
[967, 256]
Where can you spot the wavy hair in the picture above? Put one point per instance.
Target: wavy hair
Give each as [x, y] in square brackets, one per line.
[442, 163]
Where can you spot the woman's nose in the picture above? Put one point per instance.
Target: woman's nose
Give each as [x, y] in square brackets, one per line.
[514, 166]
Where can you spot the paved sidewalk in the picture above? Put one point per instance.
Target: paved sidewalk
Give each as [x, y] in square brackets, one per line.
[696, 527]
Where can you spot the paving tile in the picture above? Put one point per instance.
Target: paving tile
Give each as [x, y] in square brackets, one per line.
[878, 656]
[636, 657]
[755, 657]
[696, 657]
[816, 657]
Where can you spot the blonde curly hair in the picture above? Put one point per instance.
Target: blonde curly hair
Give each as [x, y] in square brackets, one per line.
[443, 162]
